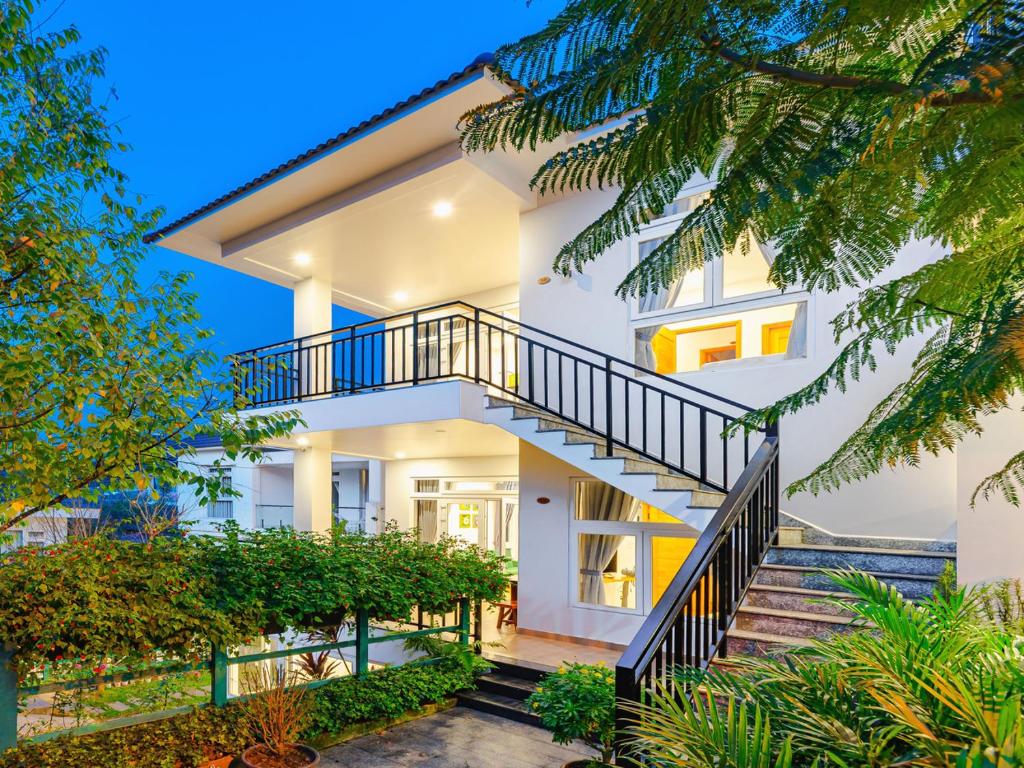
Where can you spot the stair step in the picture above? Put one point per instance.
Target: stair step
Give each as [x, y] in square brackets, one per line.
[810, 534]
[912, 586]
[506, 685]
[789, 623]
[903, 561]
[795, 599]
[496, 704]
[517, 671]
[744, 642]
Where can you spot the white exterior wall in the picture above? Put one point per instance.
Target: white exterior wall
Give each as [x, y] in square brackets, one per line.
[917, 503]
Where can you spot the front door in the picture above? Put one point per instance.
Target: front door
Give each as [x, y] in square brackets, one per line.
[465, 519]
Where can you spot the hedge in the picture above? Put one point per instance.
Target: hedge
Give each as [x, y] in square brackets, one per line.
[207, 733]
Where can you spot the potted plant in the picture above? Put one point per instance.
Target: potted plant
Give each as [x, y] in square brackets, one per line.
[275, 710]
[578, 702]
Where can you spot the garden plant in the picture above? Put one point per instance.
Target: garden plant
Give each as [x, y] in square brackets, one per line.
[578, 703]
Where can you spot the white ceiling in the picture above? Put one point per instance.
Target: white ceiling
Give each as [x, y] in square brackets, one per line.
[389, 252]
[451, 438]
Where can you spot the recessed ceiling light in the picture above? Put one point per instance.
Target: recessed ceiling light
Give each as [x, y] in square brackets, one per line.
[303, 442]
[400, 296]
[302, 258]
[443, 209]
[399, 454]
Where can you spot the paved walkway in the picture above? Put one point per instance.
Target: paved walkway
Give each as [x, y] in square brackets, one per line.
[455, 738]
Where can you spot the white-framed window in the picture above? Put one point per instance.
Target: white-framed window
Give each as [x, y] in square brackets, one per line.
[222, 508]
[727, 310]
[623, 552]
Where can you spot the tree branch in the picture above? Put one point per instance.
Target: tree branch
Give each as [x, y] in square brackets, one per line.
[844, 82]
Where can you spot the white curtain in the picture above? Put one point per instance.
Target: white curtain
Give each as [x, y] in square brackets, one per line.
[600, 501]
[426, 519]
[650, 302]
[797, 346]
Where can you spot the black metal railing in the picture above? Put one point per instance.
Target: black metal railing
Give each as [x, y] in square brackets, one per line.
[663, 419]
[688, 626]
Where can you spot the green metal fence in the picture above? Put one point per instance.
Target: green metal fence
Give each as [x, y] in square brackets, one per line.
[220, 661]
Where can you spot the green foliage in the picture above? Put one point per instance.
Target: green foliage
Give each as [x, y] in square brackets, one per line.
[104, 379]
[1003, 604]
[946, 584]
[99, 598]
[174, 742]
[928, 684]
[207, 733]
[839, 133]
[578, 702]
[386, 693]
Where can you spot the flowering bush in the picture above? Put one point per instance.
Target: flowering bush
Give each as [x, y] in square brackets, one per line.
[99, 598]
[578, 702]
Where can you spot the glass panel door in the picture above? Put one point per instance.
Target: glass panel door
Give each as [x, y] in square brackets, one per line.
[465, 519]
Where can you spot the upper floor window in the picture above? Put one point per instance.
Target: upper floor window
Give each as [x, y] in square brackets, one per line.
[726, 310]
[223, 507]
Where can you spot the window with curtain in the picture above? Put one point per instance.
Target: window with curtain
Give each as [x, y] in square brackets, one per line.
[624, 551]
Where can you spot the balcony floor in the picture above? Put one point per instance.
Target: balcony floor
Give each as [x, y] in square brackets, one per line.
[455, 738]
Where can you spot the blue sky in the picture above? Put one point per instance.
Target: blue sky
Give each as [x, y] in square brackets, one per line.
[211, 93]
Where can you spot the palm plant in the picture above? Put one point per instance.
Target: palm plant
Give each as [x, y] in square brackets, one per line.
[925, 684]
[837, 133]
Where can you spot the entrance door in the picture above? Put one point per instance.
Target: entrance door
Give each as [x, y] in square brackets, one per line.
[465, 519]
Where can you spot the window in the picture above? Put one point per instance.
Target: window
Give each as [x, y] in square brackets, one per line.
[682, 346]
[625, 552]
[223, 507]
[726, 310]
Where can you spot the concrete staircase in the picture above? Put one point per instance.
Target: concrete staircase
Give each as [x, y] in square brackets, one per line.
[503, 692]
[782, 606]
[673, 493]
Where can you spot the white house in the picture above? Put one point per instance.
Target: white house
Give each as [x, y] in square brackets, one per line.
[487, 391]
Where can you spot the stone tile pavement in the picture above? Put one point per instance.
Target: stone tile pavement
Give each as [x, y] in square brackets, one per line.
[455, 738]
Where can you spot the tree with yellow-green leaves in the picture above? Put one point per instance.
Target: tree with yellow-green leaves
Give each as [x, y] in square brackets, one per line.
[102, 380]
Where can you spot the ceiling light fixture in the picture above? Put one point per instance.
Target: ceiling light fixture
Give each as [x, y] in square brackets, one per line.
[303, 442]
[400, 296]
[399, 454]
[302, 258]
[443, 209]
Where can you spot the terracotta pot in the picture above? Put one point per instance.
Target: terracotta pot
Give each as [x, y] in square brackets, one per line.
[220, 762]
[250, 755]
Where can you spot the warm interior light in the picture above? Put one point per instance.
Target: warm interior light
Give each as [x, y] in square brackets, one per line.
[443, 209]
[400, 296]
[303, 442]
[399, 454]
[302, 258]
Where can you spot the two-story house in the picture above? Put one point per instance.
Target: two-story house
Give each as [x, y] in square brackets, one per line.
[536, 415]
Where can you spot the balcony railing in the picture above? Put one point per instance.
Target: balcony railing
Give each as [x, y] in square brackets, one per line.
[661, 418]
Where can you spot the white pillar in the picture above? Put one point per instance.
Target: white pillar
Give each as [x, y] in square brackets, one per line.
[375, 496]
[311, 486]
[312, 307]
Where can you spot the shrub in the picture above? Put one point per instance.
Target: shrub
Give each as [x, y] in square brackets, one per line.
[931, 684]
[98, 598]
[207, 733]
[578, 702]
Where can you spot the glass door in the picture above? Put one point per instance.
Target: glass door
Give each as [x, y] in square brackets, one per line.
[465, 519]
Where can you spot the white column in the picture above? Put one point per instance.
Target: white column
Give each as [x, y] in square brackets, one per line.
[312, 307]
[375, 496]
[311, 486]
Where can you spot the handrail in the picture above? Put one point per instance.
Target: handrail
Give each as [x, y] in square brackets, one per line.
[473, 309]
[650, 415]
[688, 626]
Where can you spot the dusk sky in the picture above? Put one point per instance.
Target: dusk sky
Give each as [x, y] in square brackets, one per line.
[211, 93]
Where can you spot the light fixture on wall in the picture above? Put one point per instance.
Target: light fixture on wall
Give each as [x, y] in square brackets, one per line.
[302, 442]
[443, 209]
[302, 258]
[544, 280]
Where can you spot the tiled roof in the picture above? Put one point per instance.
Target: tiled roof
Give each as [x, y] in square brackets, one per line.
[478, 64]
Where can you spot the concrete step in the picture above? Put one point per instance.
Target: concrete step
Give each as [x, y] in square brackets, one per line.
[497, 704]
[912, 586]
[810, 534]
[508, 669]
[795, 599]
[903, 561]
[789, 623]
[506, 685]
[744, 642]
